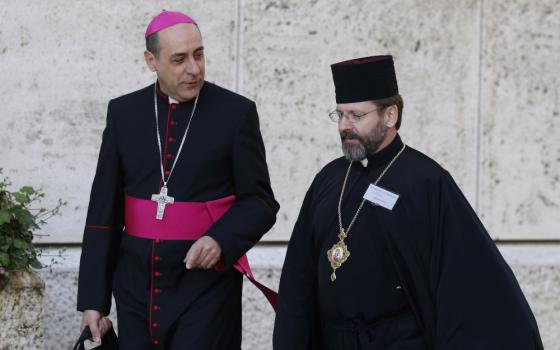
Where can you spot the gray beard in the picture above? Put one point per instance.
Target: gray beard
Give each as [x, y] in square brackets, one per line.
[367, 145]
[354, 152]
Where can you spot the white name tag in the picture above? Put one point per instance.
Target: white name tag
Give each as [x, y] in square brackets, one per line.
[381, 197]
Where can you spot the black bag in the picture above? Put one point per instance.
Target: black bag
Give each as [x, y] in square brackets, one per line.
[108, 342]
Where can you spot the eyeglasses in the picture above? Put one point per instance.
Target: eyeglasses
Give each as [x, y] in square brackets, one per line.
[353, 118]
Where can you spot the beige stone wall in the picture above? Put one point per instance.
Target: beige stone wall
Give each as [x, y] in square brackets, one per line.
[520, 119]
[60, 63]
[536, 267]
[479, 78]
[21, 312]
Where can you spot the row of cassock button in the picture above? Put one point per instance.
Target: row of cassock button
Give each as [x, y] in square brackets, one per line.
[158, 291]
[171, 139]
[157, 241]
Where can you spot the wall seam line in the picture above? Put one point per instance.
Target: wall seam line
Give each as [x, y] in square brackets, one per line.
[479, 109]
[238, 78]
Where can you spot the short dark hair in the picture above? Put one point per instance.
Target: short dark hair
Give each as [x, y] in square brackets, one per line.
[395, 100]
[152, 44]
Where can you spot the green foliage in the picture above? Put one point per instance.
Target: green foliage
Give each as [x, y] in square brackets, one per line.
[18, 221]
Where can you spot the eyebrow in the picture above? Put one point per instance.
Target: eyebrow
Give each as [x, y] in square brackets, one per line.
[180, 55]
[350, 111]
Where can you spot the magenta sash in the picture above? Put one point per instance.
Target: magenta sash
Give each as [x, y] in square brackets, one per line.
[185, 221]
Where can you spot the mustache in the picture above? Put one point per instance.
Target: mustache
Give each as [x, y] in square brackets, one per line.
[349, 135]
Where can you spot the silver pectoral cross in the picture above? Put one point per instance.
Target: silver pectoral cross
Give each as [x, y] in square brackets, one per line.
[162, 200]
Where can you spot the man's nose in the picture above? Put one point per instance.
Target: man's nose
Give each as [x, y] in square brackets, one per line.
[344, 124]
[192, 67]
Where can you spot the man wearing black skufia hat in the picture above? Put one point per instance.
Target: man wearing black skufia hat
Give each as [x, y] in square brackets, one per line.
[387, 253]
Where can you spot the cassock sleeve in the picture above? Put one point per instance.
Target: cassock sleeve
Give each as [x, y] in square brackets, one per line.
[255, 208]
[104, 225]
[479, 304]
[296, 320]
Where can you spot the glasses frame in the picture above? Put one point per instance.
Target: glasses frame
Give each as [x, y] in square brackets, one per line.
[336, 116]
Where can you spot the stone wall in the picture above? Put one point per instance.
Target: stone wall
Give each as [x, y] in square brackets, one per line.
[479, 78]
[537, 269]
[21, 312]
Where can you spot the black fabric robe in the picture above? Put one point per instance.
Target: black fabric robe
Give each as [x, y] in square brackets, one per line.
[459, 291]
[160, 304]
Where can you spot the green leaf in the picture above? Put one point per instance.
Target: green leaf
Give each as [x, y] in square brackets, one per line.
[4, 259]
[20, 261]
[21, 198]
[4, 217]
[34, 263]
[20, 244]
[25, 217]
[18, 222]
[27, 190]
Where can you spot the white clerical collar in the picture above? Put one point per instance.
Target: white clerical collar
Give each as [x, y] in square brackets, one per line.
[364, 162]
[173, 101]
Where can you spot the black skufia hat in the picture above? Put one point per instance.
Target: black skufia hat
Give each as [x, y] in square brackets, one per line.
[364, 79]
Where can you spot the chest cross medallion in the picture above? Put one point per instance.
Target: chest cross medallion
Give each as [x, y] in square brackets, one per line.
[162, 200]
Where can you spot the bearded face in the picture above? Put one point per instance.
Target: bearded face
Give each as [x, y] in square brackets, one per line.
[358, 145]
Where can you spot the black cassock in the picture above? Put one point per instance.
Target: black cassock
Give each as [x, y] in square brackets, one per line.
[160, 304]
[425, 275]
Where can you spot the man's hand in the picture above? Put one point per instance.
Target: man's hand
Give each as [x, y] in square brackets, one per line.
[97, 323]
[204, 254]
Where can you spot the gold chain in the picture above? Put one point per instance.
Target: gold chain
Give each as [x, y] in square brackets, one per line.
[339, 252]
[363, 200]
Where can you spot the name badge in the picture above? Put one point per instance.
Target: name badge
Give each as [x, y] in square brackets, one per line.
[381, 197]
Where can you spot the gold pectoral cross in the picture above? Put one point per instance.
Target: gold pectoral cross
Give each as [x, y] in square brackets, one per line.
[338, 254]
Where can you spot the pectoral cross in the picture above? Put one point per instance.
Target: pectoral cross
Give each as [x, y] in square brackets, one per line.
[162, 200]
